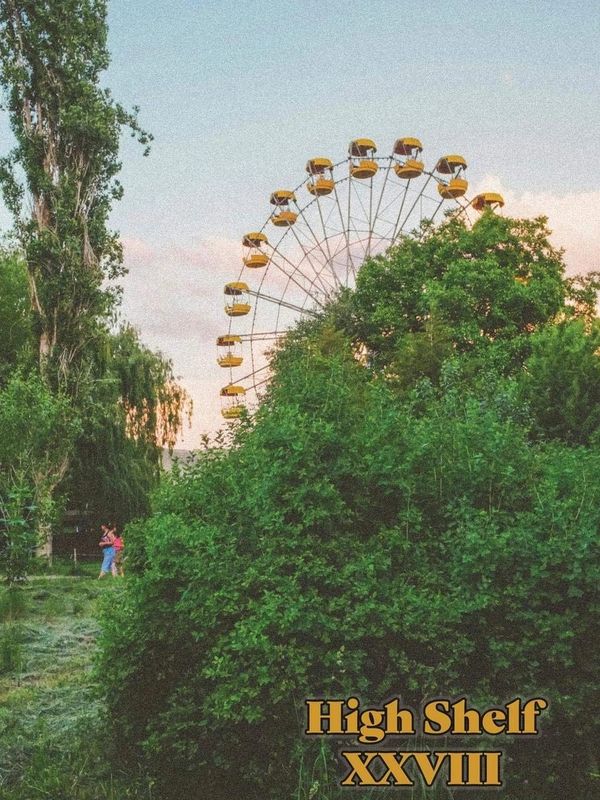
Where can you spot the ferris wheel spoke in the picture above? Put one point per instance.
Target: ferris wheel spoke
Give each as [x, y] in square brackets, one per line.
[400, 210]
[260, 336]
[376, 217]
[349, 258]
[284, 303]
[304, 250]
[368, 248]
[339, 249]
[291, 277]
[356, 231]
[412, 208]
[326, 238]
[431, 218]
[295, 267]
[345, 229]
[327, 255]
[311, 284]
[253, 373]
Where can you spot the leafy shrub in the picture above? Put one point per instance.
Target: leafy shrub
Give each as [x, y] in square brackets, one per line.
[363, 536]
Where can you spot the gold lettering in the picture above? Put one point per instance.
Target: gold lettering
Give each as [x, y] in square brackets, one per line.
[490, 721]
[428, 770]
[492, 768]
[352, 718]
[370, 722]
[514, 717]
[455, 771]
[436, 714]
[395, 768]
[466, 720]
[360, 769]
[398, 720]
[473, 768]
[530, 711]
[317, 717]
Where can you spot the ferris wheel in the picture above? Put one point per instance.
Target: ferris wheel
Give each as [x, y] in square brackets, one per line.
[315, 239]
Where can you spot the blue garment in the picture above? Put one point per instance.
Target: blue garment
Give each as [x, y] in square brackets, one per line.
[109, 557]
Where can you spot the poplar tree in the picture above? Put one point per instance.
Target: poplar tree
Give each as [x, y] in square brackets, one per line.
[60, 180]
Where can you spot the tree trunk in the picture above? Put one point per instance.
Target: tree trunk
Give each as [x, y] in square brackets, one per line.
[44, 541]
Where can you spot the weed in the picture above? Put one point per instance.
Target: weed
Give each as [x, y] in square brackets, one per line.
[11, 649]
[13, 604]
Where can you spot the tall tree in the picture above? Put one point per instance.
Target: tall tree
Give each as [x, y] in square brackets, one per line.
[67, 130]
[60, 181]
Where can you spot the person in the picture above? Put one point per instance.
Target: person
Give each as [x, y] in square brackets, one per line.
[107, 543]
[117, 565]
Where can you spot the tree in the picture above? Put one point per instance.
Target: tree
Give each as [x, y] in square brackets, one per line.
[67, 131]
[490, 282]
[60, 182]
[38, 433]
[136, 408]
[561, 382]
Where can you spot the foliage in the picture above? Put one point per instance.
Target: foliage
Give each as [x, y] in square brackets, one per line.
[60, 182]
[136, 409]
[15, 318]
[38, 430]
[497, 280]
[67, 131]
[562, 381]
[378, 534]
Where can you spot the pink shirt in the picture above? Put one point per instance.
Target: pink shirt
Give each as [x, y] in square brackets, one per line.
[118, 543]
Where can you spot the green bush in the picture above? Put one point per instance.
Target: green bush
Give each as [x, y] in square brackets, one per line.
[362, 536]
[426, 554]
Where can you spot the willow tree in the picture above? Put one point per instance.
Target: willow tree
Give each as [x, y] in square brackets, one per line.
[60, 182]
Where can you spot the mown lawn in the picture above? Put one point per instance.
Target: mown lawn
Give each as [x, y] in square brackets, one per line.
[53, 740]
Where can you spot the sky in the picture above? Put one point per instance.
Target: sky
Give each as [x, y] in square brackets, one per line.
[239, 94]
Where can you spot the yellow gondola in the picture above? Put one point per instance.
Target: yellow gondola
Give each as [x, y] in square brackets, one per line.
[488, 200]
[232, 412]
[283, 217]
[238, 306]
[255, 258]
[450, 165]
[412, 166]
[231, 390]
[231, 357]
[457, 186]
[361, 152]
[254, 239]
[319, 185]
[233, 408]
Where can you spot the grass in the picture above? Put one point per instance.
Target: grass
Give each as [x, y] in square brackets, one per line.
[52, 731]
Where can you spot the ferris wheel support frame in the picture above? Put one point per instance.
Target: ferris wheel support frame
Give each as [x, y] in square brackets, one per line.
[317, 259]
